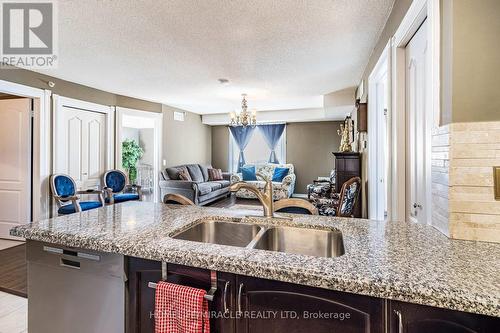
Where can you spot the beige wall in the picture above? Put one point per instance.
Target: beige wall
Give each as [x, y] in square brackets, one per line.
[187, 141]
[220, 147]
[309, 147]
[475, 60]
[74, 90]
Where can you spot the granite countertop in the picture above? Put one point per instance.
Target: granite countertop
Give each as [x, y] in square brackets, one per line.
[401, 261]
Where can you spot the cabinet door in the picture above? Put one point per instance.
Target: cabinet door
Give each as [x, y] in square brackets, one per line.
[412, 318]
[270, 306]
[141, 298]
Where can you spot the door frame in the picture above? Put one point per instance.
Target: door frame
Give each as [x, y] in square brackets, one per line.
[40, 209]
[158, 135]
[381, 67]
[419, 11]
[60, 101]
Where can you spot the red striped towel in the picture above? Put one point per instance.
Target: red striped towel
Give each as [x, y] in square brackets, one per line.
[180, 309]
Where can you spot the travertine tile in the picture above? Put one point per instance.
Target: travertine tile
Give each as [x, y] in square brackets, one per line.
[474, 148]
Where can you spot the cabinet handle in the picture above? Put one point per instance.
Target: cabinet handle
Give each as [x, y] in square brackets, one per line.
[226, 287]
[400, 320]
[240, 291]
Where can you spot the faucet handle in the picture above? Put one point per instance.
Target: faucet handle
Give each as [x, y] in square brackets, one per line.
[269, 182]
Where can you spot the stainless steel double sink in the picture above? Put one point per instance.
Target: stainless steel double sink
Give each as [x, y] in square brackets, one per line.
[307, 241]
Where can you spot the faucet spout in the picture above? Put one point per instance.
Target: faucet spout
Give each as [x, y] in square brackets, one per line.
[265, 198]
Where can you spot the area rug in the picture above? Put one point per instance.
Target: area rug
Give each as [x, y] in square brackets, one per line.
[13, 270]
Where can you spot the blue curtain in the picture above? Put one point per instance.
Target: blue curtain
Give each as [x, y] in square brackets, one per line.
[242, 136]
[272, 134]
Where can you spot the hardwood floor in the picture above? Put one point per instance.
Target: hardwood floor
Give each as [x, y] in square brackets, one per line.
[13, 270]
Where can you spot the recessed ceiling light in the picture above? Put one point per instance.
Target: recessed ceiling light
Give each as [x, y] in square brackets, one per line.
[223, 81]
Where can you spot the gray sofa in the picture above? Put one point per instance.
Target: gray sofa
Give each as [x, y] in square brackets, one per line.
[200, 190]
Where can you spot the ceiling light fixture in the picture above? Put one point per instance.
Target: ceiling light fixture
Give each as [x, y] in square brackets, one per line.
[244, 118]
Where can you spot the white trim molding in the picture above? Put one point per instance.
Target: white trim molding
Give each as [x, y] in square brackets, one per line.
[381, 68]
[419, 11]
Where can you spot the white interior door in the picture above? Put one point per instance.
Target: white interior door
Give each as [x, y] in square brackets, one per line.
[417, 102]
[15, 164]
[81, 145]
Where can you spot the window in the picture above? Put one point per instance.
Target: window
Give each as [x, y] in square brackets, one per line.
[257, 150]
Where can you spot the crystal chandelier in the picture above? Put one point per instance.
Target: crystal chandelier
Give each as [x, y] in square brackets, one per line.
[244, 118]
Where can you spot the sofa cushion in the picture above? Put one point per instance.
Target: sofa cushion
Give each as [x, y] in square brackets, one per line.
[195, 172]
[214, 185]
[279, 174]
[223, 183]
[204, 188]
[204, 171]
[248, 173]
[124, 197]
[84, 205]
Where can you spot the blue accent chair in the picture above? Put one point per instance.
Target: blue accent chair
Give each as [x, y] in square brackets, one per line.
[117, 188]
[65, 194]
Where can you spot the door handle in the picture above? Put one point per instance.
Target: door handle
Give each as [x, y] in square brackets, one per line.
[240, 291]
[400, 320]
[226, 287]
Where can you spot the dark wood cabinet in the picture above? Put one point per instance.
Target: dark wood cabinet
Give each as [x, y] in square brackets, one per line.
[244, 304]
[413, 318]
[348, 165]
[139, 297]
[291, 308]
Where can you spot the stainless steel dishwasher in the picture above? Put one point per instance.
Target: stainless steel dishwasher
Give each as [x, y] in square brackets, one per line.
[74, 290]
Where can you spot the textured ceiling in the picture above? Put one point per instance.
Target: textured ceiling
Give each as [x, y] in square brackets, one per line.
[284, 54]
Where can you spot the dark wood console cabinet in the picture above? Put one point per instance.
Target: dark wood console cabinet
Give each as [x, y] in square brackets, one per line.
[291, 308]
[348, 165]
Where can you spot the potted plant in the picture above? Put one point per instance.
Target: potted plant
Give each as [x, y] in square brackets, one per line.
[131, 153]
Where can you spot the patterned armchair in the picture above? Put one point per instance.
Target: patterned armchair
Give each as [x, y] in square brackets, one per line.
[340, 204]
[280, 190]
[117, 188]
[65, 194]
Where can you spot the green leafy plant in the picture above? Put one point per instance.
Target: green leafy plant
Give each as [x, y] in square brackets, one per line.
[131, 153]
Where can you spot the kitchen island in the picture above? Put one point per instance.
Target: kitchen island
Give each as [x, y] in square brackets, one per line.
[394, 261]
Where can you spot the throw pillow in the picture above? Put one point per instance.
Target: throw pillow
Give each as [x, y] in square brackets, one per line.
[279, 174]
[248, 173]
[215, 174]
[184, 174]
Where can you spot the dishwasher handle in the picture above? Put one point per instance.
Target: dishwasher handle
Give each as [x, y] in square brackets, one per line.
[72, 253]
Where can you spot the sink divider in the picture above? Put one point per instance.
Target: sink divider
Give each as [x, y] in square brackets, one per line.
[209, 296]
